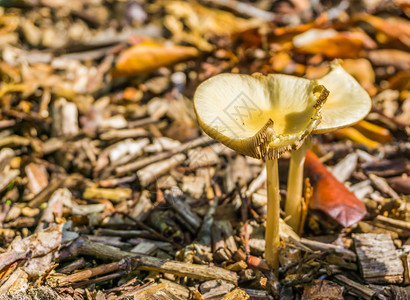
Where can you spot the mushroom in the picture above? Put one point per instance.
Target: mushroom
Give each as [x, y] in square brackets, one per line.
[347, 104]
[262, 117]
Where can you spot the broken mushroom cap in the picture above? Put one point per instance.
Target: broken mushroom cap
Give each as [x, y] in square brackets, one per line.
[348, 102]
[259, 116]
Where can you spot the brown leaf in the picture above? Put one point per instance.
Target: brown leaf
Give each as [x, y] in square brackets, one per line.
[148, 56]
[388, 31]
[332, 43]
[361, 69]
[330, 195]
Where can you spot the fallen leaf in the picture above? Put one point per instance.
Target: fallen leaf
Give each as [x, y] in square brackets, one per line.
[361, 69]
[195, 24]
[148, 56]
[374, 132]
[332, 43]
[355, 136]
[388, 31]
[330, 195]
[400, 81]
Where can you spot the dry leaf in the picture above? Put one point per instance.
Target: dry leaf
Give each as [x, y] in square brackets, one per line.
[361, 69]
[355, 136]
[148, 56]
[330, 195]
[388, 31]
[332, 43]
[202, 23]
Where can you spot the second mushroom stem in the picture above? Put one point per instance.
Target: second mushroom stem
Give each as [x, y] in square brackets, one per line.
[293, 206]
[273, 214]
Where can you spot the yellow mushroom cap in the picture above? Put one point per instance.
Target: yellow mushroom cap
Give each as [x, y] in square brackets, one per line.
[347, 103]
[259, 116]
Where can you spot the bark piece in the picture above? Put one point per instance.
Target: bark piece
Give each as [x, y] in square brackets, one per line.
[213, 289]
[177, 289]
[126, 148]
[194, 185]
[161, 156]
[405, 258]
[220, 252]
[344, 168]
[378, 258]
[259, 294]
[394, 222]
[54, 208]
[35, 245]
[323, 289]
[146, 248]
[37, 177]
[228, 234]
[117, 194]
[77, 264]
[45, 193]
[155, 170]
[65, 118]
[17, 281]
[6, 155]
[6, 179]
[175, 198]
[123, 133]
[143, 208]
[383, 186]
[236, 294]
[355, 288]
[164, 290]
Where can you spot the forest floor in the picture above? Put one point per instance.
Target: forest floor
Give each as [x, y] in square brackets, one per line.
[110, 190]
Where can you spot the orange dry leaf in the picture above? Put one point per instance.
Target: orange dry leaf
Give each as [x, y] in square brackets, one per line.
[195, 24]
[330, 195]
[148, 56]
[354, 135]
[374, 132]
[332, 43]
[387, 30]
[282, 34]
[400, 81]
[362, 70]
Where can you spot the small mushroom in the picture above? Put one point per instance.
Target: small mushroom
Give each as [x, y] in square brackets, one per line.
[262, 117]
[347, 104]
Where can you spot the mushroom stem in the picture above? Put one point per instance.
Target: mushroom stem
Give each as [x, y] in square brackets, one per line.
[293, 206]
[272, 221]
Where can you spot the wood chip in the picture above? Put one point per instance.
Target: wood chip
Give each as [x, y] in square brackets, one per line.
[378, 258]
[236, 294]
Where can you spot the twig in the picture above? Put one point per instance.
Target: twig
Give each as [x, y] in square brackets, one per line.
[202, 272]
[161, 156]
[329, 247]
[45, 193]
[102, 269]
